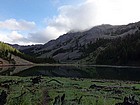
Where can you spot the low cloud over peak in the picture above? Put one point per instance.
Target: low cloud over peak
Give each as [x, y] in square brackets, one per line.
[70, 18]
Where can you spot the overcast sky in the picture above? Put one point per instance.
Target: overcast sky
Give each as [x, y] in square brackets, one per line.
[38, 21]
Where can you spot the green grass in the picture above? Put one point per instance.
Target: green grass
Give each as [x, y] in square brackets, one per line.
[22, 92]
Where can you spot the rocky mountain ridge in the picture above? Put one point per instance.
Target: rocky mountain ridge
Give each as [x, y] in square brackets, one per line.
[68, 46]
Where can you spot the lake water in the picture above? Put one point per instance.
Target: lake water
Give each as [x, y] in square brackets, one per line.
[72, 71]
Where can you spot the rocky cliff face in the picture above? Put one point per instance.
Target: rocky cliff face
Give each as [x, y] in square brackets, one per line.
[68, 46]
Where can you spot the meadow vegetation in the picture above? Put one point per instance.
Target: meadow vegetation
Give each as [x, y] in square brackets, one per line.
[66, 91]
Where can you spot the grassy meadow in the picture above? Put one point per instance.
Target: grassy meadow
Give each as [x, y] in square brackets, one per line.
[66, 91]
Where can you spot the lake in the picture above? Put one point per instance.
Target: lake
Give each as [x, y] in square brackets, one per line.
[112, 73]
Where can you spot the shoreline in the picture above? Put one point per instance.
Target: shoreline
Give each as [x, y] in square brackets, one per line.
[79, 65]
[8, 65]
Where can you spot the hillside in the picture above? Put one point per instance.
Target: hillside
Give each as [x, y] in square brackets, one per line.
[118, 51]
[8, 55]
[93, 46]
[121, 51]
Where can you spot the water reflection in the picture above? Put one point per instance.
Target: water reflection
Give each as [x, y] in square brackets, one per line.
[11, 70]
[72, 71]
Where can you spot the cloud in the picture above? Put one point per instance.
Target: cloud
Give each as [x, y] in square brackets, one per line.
[45, 35]
[70, 18]
[78, 17]
[13, 31]
[14, 37]
[117, 12]
[17, 37]
[4, 37]
[13, 24]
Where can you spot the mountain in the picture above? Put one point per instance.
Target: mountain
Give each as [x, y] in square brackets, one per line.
[86, 46]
